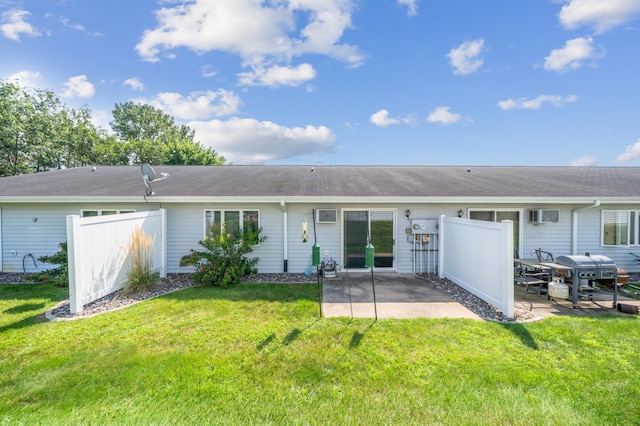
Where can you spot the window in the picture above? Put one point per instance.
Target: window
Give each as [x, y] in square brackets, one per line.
[248, 220]
[619, 228]
[91, 213]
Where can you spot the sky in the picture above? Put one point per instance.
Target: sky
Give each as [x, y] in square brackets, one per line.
[350, 82]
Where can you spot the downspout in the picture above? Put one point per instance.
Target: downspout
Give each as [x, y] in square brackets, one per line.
[285, 225]
[574, 225]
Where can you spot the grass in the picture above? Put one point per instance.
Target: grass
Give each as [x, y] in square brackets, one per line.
[259, 354]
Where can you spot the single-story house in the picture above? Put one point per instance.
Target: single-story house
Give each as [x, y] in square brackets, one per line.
[563, 210]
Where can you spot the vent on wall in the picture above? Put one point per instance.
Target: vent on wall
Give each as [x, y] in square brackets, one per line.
[544, 215]
[327, 215]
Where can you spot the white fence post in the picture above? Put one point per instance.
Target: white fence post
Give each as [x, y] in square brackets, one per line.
[163, 243]
[75, 290]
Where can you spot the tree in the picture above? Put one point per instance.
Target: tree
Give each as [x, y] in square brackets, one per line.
[38, 132]
[154, 137]
[16, 111]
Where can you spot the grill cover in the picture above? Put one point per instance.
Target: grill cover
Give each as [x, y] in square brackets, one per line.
[594, 261]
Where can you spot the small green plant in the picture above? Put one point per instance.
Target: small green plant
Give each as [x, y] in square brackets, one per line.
[58, 276]
[223, 262]
[141, 275]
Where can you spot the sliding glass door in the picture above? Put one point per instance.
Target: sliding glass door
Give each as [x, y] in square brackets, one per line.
[362, 226]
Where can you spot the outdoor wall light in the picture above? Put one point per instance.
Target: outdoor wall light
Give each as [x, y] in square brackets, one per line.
[407, 213]
[460, 213]
[35, 219]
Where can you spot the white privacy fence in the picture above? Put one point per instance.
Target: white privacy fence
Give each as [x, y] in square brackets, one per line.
[478, 256]
[98, 250]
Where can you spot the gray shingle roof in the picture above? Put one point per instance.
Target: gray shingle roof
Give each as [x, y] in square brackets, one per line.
[331, 181]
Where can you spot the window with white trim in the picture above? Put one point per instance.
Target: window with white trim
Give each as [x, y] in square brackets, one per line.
[231, 220]
[620, 228]
[91, 213]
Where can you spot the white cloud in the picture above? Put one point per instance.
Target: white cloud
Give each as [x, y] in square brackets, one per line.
[601, 15]
[465, 59]
[13, 24]
[101, 119]
[382, 119]
[65, 21]
[262, 34]
[208, 71]
[197, 105]
[631, 153]
[587, 160]
[78, 87]
[536, 103]
[134, 83]
[26, 78]
[278, 76]
[249, 141]
[572, 55]
[443, 115]
[412, 7]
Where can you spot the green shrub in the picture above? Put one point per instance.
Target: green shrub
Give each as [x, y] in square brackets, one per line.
[223, 262]
[141, 275]
[58, 276]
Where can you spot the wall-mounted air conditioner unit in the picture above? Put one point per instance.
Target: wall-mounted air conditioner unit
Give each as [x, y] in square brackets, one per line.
[327, 215]
[544, 215]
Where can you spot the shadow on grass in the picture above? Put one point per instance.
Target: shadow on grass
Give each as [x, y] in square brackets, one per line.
[25, 322]
[522, 333]
[357, 337]
[26, 307]
[288, 339]
[28, 298]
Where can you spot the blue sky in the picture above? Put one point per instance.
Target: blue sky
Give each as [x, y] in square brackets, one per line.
[398, 82]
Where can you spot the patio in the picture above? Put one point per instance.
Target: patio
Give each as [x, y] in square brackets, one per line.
[412, 296]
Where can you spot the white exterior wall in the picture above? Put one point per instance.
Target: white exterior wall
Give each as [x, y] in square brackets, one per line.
[328, 236]
[185, 227]
[25, 239]
[42, 237]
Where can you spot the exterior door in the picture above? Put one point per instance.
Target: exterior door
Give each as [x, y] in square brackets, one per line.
[363, 226]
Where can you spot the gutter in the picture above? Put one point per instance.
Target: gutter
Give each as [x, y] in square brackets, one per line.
[574, 225]
[285, 223]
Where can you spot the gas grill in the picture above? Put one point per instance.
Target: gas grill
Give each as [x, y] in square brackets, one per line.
[594, 268]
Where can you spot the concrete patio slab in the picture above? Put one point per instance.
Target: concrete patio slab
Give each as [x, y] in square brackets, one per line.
[410, 296]
[396, 296]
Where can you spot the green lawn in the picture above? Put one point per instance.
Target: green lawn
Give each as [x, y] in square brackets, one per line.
[259, 354]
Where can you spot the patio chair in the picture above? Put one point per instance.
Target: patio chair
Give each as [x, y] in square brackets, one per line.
[544, 256]
[523, 275]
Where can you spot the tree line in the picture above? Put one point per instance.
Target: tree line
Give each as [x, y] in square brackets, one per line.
[39, 133]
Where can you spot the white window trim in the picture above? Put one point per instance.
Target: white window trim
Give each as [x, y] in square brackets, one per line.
[241, 214]
[629, 227]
